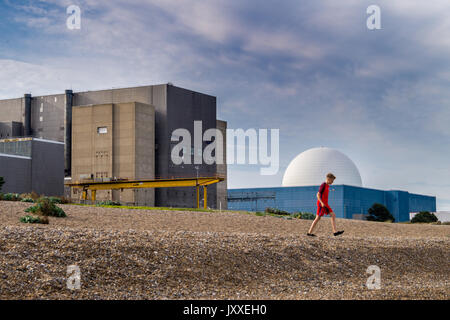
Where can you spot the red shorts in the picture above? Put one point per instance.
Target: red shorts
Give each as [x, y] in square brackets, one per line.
[321, 211]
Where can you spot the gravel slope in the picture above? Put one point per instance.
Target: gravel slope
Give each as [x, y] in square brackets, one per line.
[134, 254]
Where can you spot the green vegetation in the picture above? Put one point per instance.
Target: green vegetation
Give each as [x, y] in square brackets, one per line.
[31, 219]
[30, 197]
[47, 208]
[10, 197]
[108, 203]
[289, 216]
[379, 213]
[424, 217]
[277, 212]
[307, 216]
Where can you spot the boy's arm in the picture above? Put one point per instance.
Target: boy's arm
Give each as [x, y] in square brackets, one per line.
[319, 194]
[319, 197]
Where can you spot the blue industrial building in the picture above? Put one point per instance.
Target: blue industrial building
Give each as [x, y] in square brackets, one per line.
[348, 202]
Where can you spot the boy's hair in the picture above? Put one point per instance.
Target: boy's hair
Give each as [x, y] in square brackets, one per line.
[331, 176]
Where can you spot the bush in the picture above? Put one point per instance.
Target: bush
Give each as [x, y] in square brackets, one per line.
[297, 215]
[31, 219]
[379, 213]
[55, 200]
[27, 200]
[65, 200]
[46, 208]
[308, 216]
[34, 195]
[108, 203]
[424, 217]
[10, 197]
[277, 212]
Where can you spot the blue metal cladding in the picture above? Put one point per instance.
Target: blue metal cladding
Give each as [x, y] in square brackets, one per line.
[346, 201]
[418, 202]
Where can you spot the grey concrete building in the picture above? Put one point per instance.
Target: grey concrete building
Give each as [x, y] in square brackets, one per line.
[29, 164]
[50, 117]
[115, 140]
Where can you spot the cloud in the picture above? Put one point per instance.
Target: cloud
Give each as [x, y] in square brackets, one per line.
[310, 68]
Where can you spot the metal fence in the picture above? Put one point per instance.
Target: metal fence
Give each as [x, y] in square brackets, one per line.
[16, 147]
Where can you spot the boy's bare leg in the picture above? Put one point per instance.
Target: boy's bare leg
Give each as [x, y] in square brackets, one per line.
[333, 221]
[316, 220]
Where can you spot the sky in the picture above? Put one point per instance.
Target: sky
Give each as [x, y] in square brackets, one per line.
[310, 68]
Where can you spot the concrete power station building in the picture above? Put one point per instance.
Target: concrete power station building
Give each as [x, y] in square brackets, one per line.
[112, 134]
[348, 198]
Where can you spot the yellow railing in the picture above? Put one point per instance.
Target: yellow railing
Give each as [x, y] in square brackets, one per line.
[93, 186]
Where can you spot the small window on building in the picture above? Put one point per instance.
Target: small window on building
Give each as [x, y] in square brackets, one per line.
[102, 130]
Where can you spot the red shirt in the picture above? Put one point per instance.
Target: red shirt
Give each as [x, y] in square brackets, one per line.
[324, 190]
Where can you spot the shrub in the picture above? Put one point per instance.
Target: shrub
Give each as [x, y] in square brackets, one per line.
[55, 200]
[31, 219]
[308, 216]
[65, 200]
[424, 217]
[277, 211]
[297, 215]
[47, 208]
[27, 200]
[11, 197]
[380, 213]
[34, 195]
[108, 203]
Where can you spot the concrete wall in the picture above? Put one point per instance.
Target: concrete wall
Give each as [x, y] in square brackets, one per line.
[42, 171]
[47, 167]
[222, 187]
[10, 129]
[124, 151]
[16, 171]
[47, 117]
[12, 110]
[183, 108]
[145, 151]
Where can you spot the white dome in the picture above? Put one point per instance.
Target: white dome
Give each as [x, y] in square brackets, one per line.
[311, 167]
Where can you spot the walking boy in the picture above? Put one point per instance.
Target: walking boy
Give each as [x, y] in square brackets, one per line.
[323, 208]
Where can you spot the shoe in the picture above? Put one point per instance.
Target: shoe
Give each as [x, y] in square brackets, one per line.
[338, 233]
[311, 235]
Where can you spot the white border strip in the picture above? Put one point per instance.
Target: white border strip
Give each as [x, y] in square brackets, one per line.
[14, 156]
[49, 141]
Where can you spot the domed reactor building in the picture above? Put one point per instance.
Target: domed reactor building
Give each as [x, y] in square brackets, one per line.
[348, 198]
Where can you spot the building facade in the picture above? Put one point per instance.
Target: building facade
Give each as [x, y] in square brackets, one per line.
[29, 164]
[348, 202]
[50, 117]
[111, 141]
